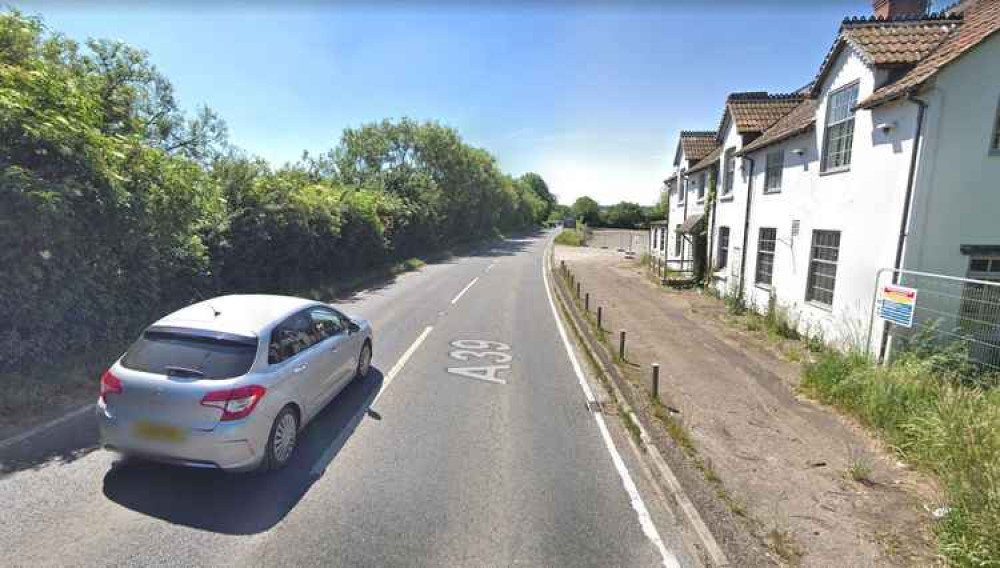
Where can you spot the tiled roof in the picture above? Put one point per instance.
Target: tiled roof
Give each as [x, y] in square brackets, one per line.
[883, 42]
[980, 20]
[898, 41]
[696, 144]
[757, 111]
[800, 120]
[707, 161]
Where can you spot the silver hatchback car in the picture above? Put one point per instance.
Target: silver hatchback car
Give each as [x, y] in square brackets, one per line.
[229, 382]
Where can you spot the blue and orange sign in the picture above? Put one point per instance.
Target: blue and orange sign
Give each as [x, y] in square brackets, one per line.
[897, 304]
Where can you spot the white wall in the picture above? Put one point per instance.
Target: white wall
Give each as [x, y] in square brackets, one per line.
[730, 211]
[864, 203]
[957, 197]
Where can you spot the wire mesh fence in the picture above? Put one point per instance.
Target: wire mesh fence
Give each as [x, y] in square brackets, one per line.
[620, 240]
[955, 321]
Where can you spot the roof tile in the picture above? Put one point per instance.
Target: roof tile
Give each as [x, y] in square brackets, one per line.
[981, 19]
[696, 144]
[800, 120]
[757, 111]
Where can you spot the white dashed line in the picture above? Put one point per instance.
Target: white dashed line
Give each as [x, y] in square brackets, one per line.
[402, 361]
[464, 290]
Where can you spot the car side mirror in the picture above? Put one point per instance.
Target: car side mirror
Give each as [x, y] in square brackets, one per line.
[353, 327]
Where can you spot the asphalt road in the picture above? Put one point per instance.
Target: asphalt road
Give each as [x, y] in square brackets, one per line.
[415, 466]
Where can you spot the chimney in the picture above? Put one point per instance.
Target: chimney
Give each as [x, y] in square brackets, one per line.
[890, 9]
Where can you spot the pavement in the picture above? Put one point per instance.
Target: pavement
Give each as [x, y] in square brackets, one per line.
[781, 458]
[424, 463]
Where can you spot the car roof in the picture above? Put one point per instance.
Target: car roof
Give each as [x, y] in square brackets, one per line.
[242, 314]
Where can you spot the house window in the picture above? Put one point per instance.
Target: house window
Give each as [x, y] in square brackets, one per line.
[678, 243]
[823, 267]
[727, 186]
[723, 254]
[701, 186]
[839, 128]
[681, 192]
[766, 238]
[663, 238]
[995, 141]
[772, 174]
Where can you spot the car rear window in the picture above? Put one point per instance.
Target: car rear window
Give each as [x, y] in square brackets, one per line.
[171, 353]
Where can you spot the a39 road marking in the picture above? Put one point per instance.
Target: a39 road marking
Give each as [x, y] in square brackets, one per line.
[493, 352]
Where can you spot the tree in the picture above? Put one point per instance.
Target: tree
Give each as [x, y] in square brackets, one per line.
[588, 210]
[625, 215]
[541, 190]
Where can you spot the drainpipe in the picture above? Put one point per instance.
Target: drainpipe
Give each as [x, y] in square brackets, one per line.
[907, 206]
[746, 226]
[709, 271]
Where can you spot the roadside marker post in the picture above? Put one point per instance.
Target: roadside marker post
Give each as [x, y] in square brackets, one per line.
[578, 289]
[621, 345]
[586, 302]
[600, 311]
[656, 381]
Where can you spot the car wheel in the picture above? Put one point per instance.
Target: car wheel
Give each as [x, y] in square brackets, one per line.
[284, 435]
[364, 361]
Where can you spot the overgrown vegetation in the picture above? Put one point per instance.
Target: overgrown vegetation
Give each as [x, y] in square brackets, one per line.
[936, 422]
[570, 237]
[116, 207]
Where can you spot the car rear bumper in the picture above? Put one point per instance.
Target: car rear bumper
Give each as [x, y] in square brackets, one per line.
[236, 446]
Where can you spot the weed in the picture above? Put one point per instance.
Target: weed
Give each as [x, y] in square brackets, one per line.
[783, 544]
[860, 471]
[413, 264]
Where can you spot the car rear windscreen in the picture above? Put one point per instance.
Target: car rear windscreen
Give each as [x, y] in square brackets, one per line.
[171, 353]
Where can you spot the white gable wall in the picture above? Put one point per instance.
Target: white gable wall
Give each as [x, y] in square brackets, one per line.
[864, 203]
[957, 200]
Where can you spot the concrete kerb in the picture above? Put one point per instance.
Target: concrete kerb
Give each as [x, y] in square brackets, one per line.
[18, 438]
[655, 460]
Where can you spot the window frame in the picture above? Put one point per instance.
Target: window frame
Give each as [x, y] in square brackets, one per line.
[729, 165]
[828, 125]
[700, 186]
[722, 248]
[663, 238]
[769, 169]
[762, 253]
[994, 141]
[682, 190]
[811, 287]
[678, 241]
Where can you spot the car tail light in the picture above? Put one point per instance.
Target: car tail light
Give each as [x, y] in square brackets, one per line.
[235, 403]
[110, 384]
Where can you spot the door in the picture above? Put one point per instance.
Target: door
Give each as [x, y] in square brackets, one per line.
[334, 349]
[293, 347]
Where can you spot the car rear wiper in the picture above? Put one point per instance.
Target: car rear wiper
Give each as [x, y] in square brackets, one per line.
[172, 370]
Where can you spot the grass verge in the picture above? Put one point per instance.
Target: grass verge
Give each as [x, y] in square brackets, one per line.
[570, 237]
[935, 423]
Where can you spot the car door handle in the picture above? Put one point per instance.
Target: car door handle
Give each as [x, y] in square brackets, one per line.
[300, 368]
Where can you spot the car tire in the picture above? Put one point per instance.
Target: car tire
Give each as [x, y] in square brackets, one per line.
[364, 361]
[283, 439]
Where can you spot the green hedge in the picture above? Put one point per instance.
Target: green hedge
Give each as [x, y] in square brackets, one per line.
[116, 207]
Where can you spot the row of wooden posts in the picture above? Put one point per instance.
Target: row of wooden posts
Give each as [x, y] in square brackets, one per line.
[575, 283]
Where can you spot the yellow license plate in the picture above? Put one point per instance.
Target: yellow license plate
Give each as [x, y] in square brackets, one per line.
[158, 432]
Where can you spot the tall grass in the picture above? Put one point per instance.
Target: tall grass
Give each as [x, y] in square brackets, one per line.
[570, 237]
[935, 423]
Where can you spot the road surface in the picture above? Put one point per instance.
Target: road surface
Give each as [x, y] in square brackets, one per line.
[418, 465]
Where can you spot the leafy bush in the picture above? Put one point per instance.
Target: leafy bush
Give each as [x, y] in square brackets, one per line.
[116, 207]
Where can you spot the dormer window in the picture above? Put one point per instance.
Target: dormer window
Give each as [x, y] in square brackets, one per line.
[701, 185]
[730, 164]
[839, 134]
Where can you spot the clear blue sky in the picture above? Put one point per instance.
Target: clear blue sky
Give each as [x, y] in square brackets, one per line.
[590, 97]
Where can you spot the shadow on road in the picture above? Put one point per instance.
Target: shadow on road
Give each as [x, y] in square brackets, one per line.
[62, 444]
[244, 503]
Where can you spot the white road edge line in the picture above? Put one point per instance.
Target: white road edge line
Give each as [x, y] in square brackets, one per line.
[464, 290]
[324, 460]
[42, 427]
[488, 267]
[402, 361]
[645, 520]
